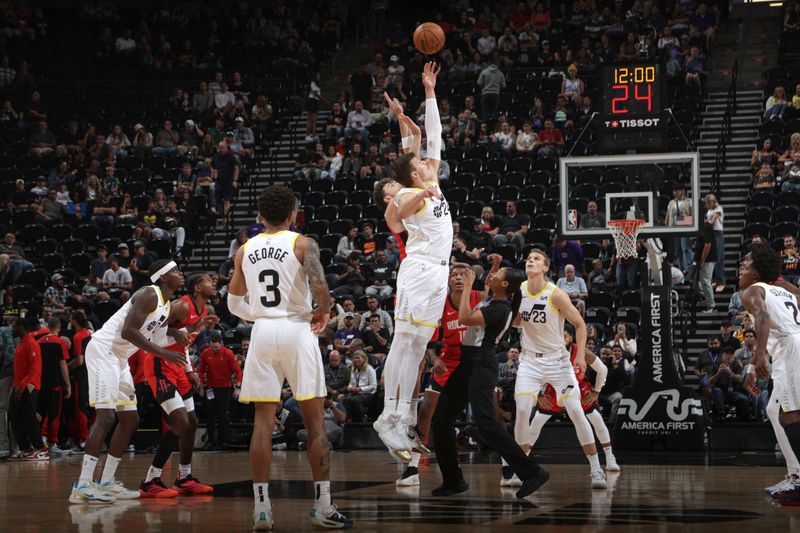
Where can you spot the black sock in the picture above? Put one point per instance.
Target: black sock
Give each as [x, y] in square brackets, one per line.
[793, 434]
[167, 445]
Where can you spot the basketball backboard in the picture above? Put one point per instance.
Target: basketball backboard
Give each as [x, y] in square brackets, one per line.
[627, 187]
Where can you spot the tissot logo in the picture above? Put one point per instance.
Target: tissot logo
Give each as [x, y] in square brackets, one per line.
[676, 410]
[633, 123]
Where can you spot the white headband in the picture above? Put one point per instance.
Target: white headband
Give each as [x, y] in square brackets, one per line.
[166, 268]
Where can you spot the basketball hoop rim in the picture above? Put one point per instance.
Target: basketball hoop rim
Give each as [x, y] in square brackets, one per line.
[626, 227]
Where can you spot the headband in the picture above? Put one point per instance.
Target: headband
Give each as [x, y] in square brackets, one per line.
[166, 268]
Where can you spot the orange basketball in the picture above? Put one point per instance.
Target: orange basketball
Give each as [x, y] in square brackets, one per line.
[429, 38]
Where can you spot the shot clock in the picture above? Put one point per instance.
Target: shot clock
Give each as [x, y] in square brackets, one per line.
[633, 101]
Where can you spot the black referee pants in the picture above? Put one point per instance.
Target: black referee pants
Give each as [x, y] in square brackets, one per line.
[473, 382]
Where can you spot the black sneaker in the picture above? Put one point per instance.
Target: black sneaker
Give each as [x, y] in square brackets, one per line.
[450, 490]
[508, 472]
[530, 485]
[330, 519]
[410, 477]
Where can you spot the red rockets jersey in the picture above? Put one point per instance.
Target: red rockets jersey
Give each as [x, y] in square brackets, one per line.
[452, 335]
[583, 384]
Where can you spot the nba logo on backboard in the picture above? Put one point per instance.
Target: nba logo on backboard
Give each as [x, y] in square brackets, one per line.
[572, 219]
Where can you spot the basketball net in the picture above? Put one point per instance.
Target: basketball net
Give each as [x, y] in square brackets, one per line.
[625, 233]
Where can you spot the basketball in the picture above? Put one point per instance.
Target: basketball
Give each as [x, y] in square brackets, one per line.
[429, 38]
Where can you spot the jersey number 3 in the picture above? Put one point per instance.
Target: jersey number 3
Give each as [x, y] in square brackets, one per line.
[793, 308]
[271, 280]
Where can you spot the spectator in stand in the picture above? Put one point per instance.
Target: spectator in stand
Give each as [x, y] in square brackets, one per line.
[358, 120]
[25, 393]
[679, 213]
[618, 378]
[623, 339]
[727, 338]
[363, 384]
[224, 101]
[348, 306]
[142, 141]
[745, 352]
[727, 382]
[167, 140]
[334, 127]
[626, 271]
[506, 140]
[344, 336]
[382, 272]
[373, 309]
[491, 82]
[347, 244]
[202, 101]
[705, 22]
[333, 420]
[764, 156]
[244, 141]
[56, 385]
[373, 162]
[50, 210]
[140, 265]
[592, 218]
[190, 138]
[225, 173]
[696, 68]
[217, 365]
[337, 376]
[514, 227]
[706, 253]
[43, 141]
[564, 253]
[309, 165]
[117, 277]
[791, 259]
[57, 295]
[550, 142]
[376, 339]
[572, 87]
[715, 216]
[17, 263]
[351, 281]
[575, 287]
[526, 140]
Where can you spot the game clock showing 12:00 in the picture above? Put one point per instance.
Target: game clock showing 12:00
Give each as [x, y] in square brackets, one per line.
[632, 93]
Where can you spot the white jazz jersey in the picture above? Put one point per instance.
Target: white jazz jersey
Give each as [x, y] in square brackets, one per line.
[277, 285]
[542, 325]
[110, 335]
[430, 230]
[782, 307]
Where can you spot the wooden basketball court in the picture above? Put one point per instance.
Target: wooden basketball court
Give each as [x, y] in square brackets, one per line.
[693, 493]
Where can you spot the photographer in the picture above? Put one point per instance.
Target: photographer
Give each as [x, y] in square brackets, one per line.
[616, 380]
[621, 337]
[351, 281]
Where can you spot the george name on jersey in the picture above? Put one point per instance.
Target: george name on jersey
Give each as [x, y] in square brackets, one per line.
[271, 252]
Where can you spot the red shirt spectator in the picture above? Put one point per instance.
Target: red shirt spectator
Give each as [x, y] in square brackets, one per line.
[28, 363]
[553, 136]
[217, 363]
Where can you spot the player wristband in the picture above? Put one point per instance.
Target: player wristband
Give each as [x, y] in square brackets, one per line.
[166, 268]
[407, 141]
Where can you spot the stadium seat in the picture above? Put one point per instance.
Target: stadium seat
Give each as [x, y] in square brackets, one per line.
[320, 227]
[631, 298]
[72, 246]
[599, 315]
[341, 226]
[103, 311]
[760, 214]
[23, 292]
[540, 177]
[37, 278]
[489, 179]
[496, 164]
[463, 179]
[32, 233]
[784, 213]
[344, 183]
[520, 164]
[45, 246]
[629, 314]
[52, 262]
[81, 263]
[472, 166]
[482, 194]
[361, 197]
[337, 198]
[507, 192]
[330, 241]
[322, 186]
[601, 299]
[160, 247]
[353, 212]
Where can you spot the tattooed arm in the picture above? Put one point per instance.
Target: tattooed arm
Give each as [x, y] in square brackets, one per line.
[316, 279]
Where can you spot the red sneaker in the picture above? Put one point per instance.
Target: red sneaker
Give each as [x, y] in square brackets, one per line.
[190, 486]
[155, 488]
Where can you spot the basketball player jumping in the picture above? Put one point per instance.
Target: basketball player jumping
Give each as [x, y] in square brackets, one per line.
[422, 279]
[777, 325]
[111, 390]
[544, 359]
[172, 388]
[280, 271]
[547, 406]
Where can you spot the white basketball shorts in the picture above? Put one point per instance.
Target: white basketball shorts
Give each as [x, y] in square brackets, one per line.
[421, 294]
[535, 372]
[110, 380]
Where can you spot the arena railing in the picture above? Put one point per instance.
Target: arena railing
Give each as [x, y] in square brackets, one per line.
[720, 157]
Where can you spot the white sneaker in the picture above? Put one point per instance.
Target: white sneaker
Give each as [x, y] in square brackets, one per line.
[262, 519]
[598, 479]
[787, 483]
[116, 488]
[512, 481]
[387, 431]
[88, 493]
[330, 518]
[611, 464]
[410, 478]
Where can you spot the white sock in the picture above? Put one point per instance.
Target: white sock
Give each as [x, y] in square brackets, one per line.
[87, 470]
[322, 490]
[184, 471]
[412, 410]
[110, 469]
[504, 462]
[152, 473]
[608, 451]
[414, 459]
[594, 461]
[261, 495]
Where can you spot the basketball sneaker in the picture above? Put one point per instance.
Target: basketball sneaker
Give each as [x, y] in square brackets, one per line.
[413, 435]
[19, 455]
[155, 488]
[330, 518]
[117, 489]
[89, 493]
[410, 477]
[37, 455]
[386, 426]
[189, 486]
[509, 478]
[784, 484]
[262, 519]
[530, 485]
[790, 497]
[611, 464]
[598, 479]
